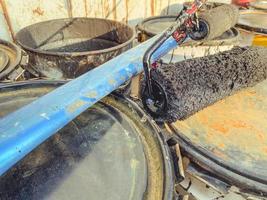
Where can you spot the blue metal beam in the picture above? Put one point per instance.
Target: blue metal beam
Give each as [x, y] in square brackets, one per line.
[26, 128]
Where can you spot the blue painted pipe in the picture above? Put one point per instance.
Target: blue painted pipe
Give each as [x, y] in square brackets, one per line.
[26, 128]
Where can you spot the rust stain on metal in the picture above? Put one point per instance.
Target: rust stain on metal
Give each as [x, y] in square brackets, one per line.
[222, 145]
[75, 106]
[219, 153]
[220, 127]
[233, 128]
[152, 7]
[7, 18]
[38, 11]
[69, 5]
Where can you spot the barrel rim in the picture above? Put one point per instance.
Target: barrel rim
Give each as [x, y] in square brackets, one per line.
[74, 54]
[168, 168]
[5, 60]
[226, 172]
[140, 26]
[10, 67]
[262, 31]
[220, 42]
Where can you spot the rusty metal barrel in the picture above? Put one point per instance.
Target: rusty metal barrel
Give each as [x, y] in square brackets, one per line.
[227, 142]
[67, 48]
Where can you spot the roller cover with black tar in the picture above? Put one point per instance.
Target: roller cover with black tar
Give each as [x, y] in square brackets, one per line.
[194, 84]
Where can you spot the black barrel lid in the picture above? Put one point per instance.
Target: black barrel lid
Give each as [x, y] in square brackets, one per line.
[230, 138]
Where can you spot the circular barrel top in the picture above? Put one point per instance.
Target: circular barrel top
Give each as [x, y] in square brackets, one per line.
[100, 154]
[155, 25]
[233, 134]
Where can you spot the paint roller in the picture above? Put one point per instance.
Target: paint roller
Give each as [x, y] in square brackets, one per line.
[160, 94]
[194, 84]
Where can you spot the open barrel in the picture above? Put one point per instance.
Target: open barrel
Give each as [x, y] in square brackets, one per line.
[67, 48]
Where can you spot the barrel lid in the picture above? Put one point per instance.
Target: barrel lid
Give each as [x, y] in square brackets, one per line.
[259, 4]
[253, 20]
[3, 60]
[155, 25]
[230, 137]
[102, 154]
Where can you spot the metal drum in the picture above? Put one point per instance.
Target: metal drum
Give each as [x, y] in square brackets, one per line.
[253, 24]
[108, 152]
[67, 48]
[225, 145]
[10, 59]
